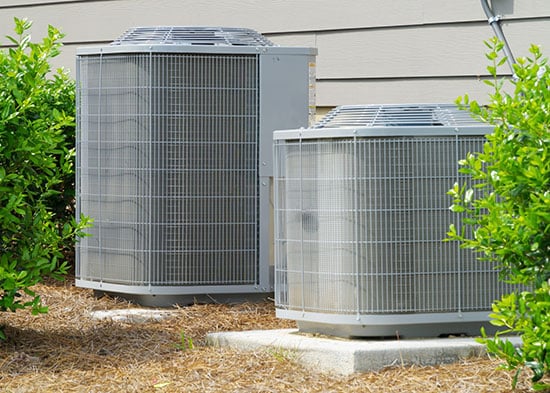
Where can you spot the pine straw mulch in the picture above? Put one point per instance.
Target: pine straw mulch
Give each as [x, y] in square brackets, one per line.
[68, 351]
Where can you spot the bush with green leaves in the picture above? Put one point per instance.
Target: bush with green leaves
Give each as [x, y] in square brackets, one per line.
[37, 224]
[507, 212]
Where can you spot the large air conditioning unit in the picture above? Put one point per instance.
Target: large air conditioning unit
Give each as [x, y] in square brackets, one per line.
[174, 159]
[361, 211]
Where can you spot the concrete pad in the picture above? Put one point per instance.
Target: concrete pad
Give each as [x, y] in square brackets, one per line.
[347, 356]
[132, 315]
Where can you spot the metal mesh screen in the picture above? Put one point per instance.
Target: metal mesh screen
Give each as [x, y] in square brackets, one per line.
[397, 115]
[192, 35]
[167, 167]
[360, 222]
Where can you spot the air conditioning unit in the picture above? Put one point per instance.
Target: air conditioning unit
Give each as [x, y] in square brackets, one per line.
[174, 159]
[361, 211]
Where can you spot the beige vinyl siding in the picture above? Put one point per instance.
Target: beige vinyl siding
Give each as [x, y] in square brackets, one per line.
[391, 91]
[272, 15]
[370, 51]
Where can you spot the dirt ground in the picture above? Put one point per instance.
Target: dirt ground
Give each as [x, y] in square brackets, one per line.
[68, 351]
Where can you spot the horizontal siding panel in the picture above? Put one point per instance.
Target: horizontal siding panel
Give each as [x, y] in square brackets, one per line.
[301, 39]
[105, 20]
[442, 50]
[437, 11]
[427, 51]
[521, 34]
[446, 90]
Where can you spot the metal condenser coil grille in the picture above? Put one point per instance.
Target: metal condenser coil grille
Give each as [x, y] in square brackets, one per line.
[173, 193]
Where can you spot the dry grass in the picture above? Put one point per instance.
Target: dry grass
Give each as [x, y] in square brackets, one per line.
[68, 351]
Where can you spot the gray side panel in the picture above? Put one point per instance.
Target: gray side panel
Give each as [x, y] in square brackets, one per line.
[284, 100]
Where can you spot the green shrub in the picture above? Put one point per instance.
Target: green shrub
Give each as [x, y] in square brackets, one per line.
[36, 168]
[508, 211]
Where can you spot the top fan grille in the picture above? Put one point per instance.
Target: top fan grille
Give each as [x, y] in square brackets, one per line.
[181, 35]
[412, 115]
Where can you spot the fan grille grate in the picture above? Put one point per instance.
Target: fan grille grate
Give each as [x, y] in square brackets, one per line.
[409, 115]
[183, 35]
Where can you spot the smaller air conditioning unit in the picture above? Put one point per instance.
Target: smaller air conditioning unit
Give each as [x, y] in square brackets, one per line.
[361, 211]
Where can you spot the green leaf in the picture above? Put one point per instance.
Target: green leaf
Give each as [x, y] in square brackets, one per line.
[457, 208]
[538, 370]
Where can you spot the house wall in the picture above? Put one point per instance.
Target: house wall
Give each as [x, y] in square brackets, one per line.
[370, 51]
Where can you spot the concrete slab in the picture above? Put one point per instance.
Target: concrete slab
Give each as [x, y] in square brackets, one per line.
[347, 356]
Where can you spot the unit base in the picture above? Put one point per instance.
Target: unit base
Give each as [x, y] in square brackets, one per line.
[187, 300]
[471, 329]
[167, 296]
[412, 325]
